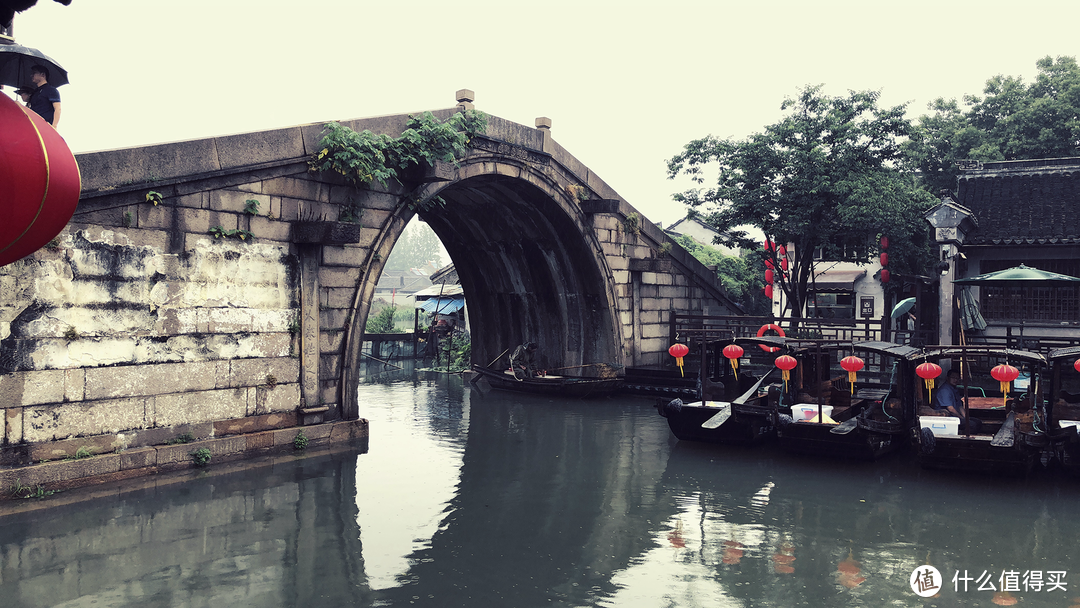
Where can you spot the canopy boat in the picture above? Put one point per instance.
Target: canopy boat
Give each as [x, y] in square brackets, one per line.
[862, 414]
[732, 407]
[1012, 436]
[1063, 410]
[560, 386]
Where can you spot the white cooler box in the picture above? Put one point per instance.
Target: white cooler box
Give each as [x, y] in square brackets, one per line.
[808, 411]
[940, 425]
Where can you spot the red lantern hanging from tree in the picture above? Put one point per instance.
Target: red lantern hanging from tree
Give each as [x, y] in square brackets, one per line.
[884, 258]
[928, 371]
[783, 264]
[781, 251]
[733, 352]
[884, 242]
[786, 363]
[769, 276]
[678, 351]
[885, 275]
[768, 291]
[1005, 374]
[851, 365]
[768, 264]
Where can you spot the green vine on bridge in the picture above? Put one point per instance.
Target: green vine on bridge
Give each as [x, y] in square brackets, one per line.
[365, 157]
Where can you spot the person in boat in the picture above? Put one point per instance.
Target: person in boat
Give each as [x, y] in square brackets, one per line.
[948, 401]
[523, 360]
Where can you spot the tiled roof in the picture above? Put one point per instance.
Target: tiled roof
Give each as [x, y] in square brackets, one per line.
[1024, 202]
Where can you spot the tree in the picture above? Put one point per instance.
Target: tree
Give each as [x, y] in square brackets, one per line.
[826, 175]
[739, 275]
[417, 246]
[1011, 121]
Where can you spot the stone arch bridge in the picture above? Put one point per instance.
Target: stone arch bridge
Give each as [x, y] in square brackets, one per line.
[149, 311]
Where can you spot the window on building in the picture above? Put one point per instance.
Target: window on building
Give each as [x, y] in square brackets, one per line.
[846, 249]
[1036, 303]
[831, 305]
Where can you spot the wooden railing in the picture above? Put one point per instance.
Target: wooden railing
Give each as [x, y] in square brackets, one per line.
[692, 330]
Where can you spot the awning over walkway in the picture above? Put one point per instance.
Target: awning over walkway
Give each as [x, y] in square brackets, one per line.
[442, 306]
[836, 280]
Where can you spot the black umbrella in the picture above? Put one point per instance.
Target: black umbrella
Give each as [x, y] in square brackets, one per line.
[16, 62]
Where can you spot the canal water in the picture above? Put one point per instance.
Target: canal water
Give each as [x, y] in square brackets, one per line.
[476, 499]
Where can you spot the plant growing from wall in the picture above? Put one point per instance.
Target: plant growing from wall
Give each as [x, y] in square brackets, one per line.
[300, 442]
[71, 334]
[251, 207]
[632, 223]
[201, 457]
[220, 232]
[365, 157]
[127, 219]
[154, 197]
[271, 380]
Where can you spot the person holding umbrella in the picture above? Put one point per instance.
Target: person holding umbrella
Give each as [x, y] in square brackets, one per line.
[45, 100]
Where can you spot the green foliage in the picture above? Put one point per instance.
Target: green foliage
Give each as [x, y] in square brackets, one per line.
[220, 232]
[362, 158]
[382, 322]
[154, 197]
[20, 491]
[201, 457]
[417, 246]
[71, 334]
[251, 207]
[826, 173]
[182, 438]
[294, 325]
[300, 442]
[271, 380]
[128, 219]
[459, 352]
[1011, 121]
[351, 212]
[632, 223]
[81, 453]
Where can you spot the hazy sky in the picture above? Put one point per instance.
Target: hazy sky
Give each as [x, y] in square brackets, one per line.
[626, 84]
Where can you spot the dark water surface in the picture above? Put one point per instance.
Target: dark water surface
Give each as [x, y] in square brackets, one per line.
[472, 499]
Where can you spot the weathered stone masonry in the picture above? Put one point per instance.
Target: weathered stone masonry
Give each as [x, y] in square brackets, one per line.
[137, 324]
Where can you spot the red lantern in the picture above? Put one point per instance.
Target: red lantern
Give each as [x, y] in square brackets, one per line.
[678, 351]
[733, 352]
[884, 242]
[851, 365]
[768, 263]
[1076, 365]
[768, 291]
[781, 251]
[884, 257]
[783, 264]
[769, 276]
[768, 245]
[1005, 374]
[39, 182]
[928, 371]
[885, 275]
[786, 363]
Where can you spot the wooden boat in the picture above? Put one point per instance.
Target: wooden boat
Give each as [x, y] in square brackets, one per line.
[828, 418]
[561, 386]
[1063, 411]
[718, 416]
[1011, 440]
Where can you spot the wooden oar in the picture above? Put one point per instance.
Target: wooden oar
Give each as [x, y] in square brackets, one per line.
[725, 412]
[1004, 437]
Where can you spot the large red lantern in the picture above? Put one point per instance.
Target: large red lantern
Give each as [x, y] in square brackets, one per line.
[783, 264]
[768, 291]
[39, 182]
[769, 276]
[768, 263]
[884, 242]
[884, 258]
[678, 351]
[928, 371]
[1005, 374]
[786, 363]
[781, 251]
[885, 275]
[851, 365]
[733, 352]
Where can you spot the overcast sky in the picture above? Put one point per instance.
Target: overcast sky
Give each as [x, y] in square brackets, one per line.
[626, 84]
